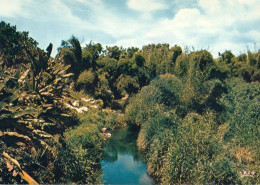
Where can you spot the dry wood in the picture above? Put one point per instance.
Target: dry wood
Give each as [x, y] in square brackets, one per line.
[22, 173]
[15, 134]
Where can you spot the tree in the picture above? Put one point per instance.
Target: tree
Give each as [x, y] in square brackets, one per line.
[227, 56]
[177, 51]
[162, 93]
[13, 45]
[95, 51]
[131, 51]
[114, 52]
[72, 54]
[139, 60]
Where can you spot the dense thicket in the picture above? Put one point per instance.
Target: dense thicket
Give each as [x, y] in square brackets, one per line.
[200, 124]
[198, 116]
[33, 119]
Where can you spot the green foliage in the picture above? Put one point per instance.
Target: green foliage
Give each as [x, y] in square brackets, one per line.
[78, 162]
[177, 51]
[139, 60]
[87, 80]
[157, 58]
[242, 110]
[32, 113]
[242, 58]
[103, 91]
[161, 93]
[202, 82]
[108, 65]
[204, 58]
[95, 50]
[13, 43]
[196, 156]
[72, 54]
[227, 56]
[131, 51]
[198, 116]
[185, 151]
[76, 48]
[114, 52]
[127, 84]
[181, 67]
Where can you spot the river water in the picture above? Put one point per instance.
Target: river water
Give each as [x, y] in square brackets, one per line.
[121, 162]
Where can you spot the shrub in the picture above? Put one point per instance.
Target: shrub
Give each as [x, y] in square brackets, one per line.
[87, 80]
[242, 110]
[227, 56]
[177, 51]
[195, 156]
[162, 94]
[127, 84]
[139, 60]
[78, 162]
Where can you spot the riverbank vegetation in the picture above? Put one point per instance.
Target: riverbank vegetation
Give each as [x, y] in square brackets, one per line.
[197, 117]
[200, 124]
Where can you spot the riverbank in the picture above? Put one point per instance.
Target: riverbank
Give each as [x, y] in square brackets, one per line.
[86, 141]
[182, 145]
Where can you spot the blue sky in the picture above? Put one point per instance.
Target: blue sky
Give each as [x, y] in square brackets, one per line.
[215, 25]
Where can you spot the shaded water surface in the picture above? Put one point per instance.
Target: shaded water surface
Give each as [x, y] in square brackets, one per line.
[121, 162]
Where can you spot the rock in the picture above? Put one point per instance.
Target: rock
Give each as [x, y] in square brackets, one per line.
[76, 103]
[68, 105]
[85, 109]
[86, 100]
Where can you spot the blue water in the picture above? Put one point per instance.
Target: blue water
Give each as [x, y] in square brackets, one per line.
[122, 163]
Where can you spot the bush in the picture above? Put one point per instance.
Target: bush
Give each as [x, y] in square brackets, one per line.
[154, 127]
[87, 80]
[204, 58]
[127, 84]
[177, 51]
[162, 94]
[195, 156]
[227, 56]
[242, 110]
[79, 160]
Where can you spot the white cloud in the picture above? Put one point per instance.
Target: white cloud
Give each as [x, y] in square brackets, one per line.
[12, 8]
[132, 42]
[217, 24]
[146, 5]
[212, 6]
[45, 11]
[105, 19]
[60, 12]
[214, 24]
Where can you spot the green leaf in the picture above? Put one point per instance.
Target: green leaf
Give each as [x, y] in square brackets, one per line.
[3, 84]
[8, 100]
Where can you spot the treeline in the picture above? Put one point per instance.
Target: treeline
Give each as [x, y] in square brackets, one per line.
[198, 117]
[114, 72]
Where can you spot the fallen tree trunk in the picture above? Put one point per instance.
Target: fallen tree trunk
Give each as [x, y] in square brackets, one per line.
[22, 173]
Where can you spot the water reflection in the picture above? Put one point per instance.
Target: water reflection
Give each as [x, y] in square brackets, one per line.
[121, 162]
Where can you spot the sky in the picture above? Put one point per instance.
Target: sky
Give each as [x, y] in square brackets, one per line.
[214, 25]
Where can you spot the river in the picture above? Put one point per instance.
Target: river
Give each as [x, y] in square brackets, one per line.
[121, 162]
